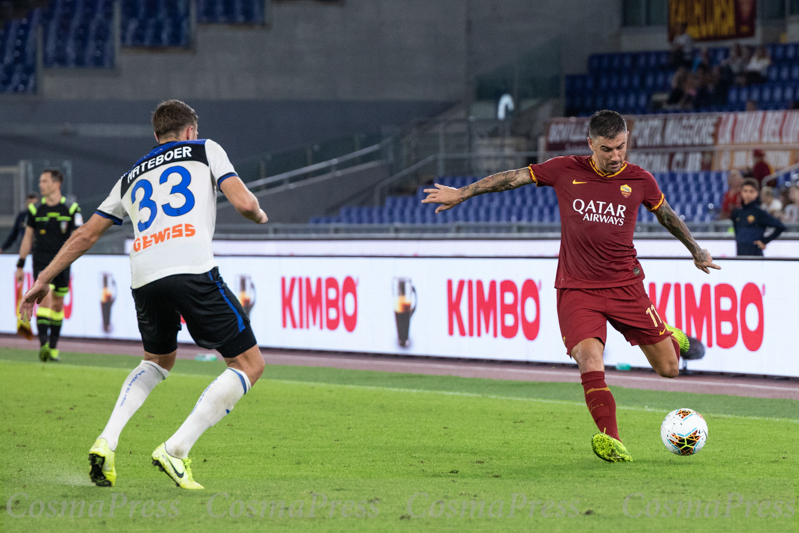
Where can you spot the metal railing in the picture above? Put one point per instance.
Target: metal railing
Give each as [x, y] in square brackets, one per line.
[325, 167]
[442, 164]
[774, 176]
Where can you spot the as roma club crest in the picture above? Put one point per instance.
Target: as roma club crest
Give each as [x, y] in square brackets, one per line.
[626, 191]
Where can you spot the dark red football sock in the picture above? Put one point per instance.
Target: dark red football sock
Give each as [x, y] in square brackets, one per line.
[600, 403]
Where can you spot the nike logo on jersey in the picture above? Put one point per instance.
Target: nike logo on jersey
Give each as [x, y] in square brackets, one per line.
[662, 332]
[575, 182]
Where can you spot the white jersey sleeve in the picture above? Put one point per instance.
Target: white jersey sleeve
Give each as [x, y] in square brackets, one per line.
[218, 162]
[112, 207]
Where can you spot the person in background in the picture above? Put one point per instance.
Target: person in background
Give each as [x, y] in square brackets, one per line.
[18, 230]
[49, 225]
[734, 63]
[701, 62]
[678, 80]
[769, 203]
[682, 48]
[741, 79]
[761, 168]
[719, 83]
[790, 214]
[711, 90]
[691, 90]
[751, 105]
[751, 222]
[757, 69]
[732, 198]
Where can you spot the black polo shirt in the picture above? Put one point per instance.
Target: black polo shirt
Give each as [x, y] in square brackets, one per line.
[52, 225]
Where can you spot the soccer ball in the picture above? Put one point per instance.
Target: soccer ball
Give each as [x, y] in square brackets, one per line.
[684, 432]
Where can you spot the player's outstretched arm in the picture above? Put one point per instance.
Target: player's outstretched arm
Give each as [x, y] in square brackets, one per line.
[243, 200]
[81, 240]
[449, 197]
[669, 220]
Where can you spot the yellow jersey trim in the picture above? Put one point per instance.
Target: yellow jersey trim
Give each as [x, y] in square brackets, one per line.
[532, 175]
[604, 175]
[662, 198]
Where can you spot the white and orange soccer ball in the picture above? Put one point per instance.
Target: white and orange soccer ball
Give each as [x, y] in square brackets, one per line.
[684, 432]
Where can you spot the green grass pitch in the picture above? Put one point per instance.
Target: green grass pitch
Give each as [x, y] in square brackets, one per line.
[342, 450]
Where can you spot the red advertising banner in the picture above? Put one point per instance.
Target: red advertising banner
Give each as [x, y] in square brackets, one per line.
[692, 141]
[713, 20]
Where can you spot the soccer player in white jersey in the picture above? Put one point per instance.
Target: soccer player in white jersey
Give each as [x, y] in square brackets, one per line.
[170, 196]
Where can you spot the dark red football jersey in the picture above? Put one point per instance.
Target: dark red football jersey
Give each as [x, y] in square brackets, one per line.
[598, 213]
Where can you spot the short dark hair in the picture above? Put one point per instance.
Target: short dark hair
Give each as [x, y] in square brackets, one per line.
[607, 124]
[172, 116]
[32, 196]
[55, 174]
[751, 182]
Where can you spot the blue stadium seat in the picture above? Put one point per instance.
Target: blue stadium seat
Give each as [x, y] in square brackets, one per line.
[776, 93]
[788, 93]
[790, 52]
[766, 92]
[754, 93]
[777, 53]
[627, 61]
[593, 63]
[785, 72]
[662, 81]
[152, 23]
[230, 11]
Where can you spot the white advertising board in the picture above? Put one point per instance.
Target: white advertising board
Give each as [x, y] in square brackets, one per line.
[671, 247]
[485, 308]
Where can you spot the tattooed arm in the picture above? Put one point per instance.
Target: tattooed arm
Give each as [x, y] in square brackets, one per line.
[449, 197]
[669, 220]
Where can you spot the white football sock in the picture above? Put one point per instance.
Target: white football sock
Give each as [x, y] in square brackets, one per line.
[135, 390]
[215, 402]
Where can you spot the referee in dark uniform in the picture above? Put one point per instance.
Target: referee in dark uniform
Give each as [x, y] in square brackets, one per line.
[50, 223]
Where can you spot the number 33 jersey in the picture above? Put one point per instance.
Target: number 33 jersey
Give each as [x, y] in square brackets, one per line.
[170, 197]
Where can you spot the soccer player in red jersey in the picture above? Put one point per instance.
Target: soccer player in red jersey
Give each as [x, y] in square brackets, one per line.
[599, 279]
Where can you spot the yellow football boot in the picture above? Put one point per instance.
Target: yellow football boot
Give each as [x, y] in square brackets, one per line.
[177, 469]
[101, 459]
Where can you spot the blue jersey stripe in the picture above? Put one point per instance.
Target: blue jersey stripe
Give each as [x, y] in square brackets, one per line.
[226, 176]
[112, 218]
[222, 292]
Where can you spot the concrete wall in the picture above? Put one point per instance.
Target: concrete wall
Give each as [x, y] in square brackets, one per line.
[507, 28]
[319, 196]
[243, 128]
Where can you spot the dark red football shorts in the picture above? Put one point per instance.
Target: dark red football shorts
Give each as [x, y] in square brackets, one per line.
[584, 313]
